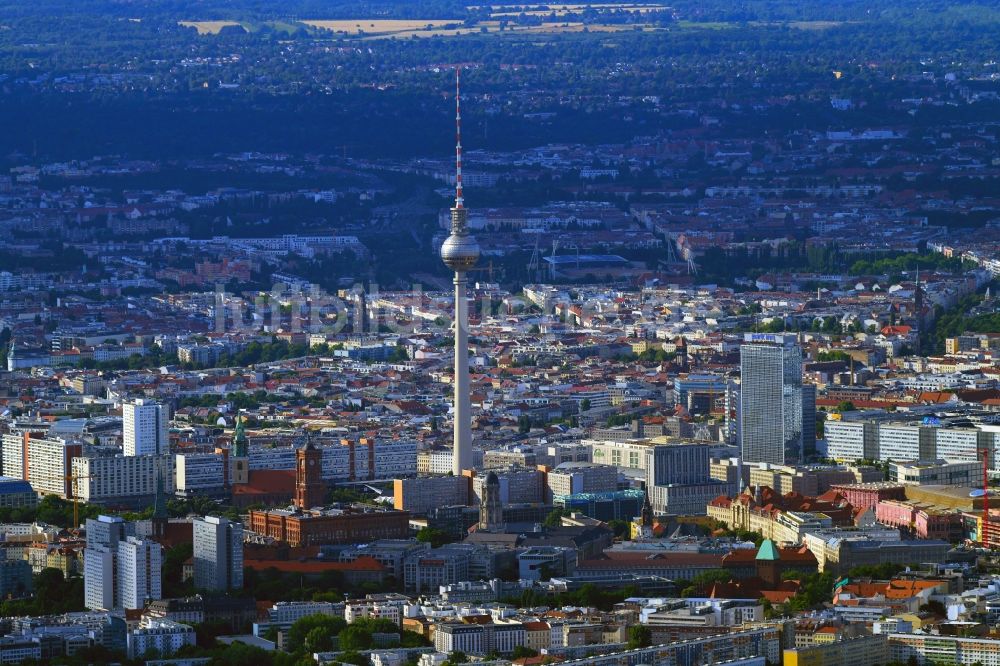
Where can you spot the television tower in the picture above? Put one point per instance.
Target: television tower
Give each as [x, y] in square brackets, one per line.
[460, 252]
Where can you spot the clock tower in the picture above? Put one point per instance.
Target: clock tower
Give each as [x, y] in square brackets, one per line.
[309, 487]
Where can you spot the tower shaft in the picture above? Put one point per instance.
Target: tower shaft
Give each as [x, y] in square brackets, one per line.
[462, 453]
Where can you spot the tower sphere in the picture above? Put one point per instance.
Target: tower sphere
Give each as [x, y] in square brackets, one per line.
[460, 252]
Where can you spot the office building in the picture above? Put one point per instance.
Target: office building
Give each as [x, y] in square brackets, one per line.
[145, 427]
[901, 442]
[218, 554]
[16, 493]
[941, 649]
[15, 579]
[107, 531]
[679, 481]
[201, 474]
[518, 485]
[479, 639]
[99, 577]
[119, 570]
[581, 477]
[424, 493]
[937, 473]
[615, 505]
[771, 399]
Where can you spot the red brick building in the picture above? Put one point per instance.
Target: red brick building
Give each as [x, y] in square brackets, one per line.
[352, 524]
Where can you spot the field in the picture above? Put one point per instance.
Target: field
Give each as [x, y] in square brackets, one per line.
[208, 27]
[384, 27]
[530, 10]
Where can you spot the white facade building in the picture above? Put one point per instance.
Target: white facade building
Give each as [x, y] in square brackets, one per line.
[104, 478]
[145, 427]
[138, 572]
[199, 473]
[164, 636]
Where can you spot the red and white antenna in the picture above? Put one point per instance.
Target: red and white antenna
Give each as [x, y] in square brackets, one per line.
[459, 201]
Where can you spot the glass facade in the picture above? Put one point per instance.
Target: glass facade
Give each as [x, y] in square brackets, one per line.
[771, 402]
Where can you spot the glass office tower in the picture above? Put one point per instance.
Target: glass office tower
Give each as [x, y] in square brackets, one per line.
[771, 399]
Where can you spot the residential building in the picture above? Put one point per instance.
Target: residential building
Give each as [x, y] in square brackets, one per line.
[119, 479]
[860, 651]
[218, 554]
[165, 637]
[145, 427]
[939, 649]
[138, 567]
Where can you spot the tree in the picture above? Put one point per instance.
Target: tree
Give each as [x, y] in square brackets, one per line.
[434, 536]
[554, 519]
[355, 638]
[524, 424]
[639, 636]
[585, 405]
[305, 627]
[523, 652]
[622, 528]
[457, 657]
[935, 608]
[319, 640]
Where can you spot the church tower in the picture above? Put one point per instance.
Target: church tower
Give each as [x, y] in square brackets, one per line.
[309, 487]
[490, 507]
[240, 471]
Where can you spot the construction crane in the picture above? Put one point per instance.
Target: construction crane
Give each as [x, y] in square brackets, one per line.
[71, 479]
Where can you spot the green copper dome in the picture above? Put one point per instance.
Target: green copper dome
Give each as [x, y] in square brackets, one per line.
[768, 551]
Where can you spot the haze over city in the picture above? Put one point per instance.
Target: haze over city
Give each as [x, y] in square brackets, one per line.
[420, 333]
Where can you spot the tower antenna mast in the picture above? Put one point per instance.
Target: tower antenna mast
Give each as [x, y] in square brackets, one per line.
[460, 252]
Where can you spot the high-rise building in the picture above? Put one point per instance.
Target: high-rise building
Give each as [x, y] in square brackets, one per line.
[42, 460]
[145, 427]
[99, 577]
[138, 566]
[460, 252]
[107, 531]
[218, 554]
[771, 399]
[679, 479]
[119, 570]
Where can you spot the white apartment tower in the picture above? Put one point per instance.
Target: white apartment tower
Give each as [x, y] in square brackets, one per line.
[138, 572]
[145, 427]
